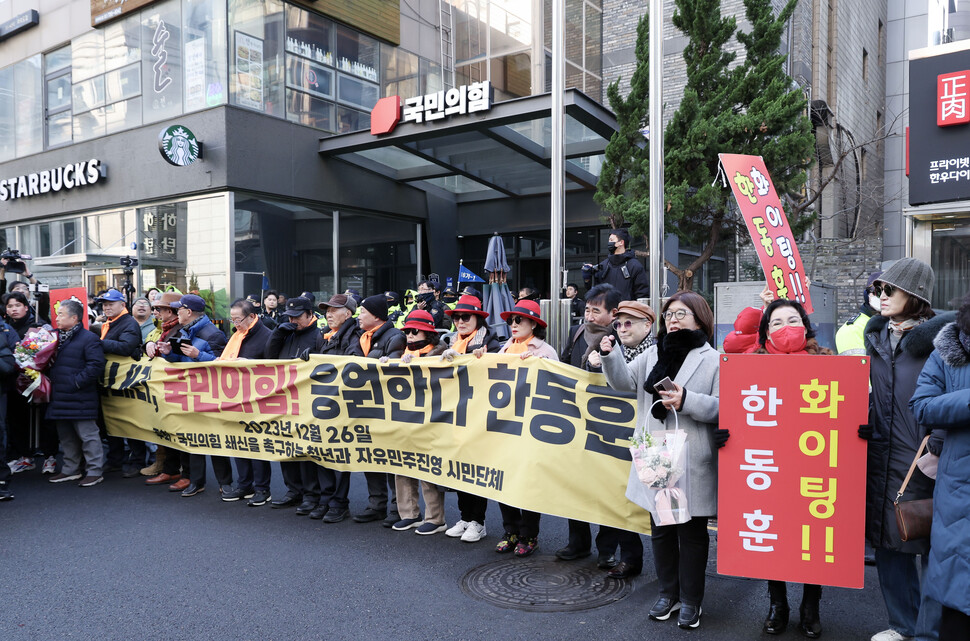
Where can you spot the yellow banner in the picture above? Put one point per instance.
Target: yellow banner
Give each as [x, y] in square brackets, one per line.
[536, 434]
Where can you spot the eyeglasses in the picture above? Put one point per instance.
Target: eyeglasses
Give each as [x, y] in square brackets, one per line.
[411, 331]
[792, 320]
[462, 317]
[885, 288]
[515, 320]
[628, 324]
[680, 314]
[236, 321]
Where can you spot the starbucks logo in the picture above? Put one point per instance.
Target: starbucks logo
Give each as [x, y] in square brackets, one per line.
[179, 146]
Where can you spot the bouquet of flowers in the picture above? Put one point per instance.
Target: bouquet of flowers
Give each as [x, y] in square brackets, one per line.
[33, 354]
[660, 462]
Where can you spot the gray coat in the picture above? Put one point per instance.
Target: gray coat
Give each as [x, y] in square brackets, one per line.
[699, 375]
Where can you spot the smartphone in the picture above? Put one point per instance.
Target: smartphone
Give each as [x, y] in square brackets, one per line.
[666, 385]
[177, 343]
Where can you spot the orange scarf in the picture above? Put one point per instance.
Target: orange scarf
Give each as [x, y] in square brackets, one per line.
[366, 338]
[461, 345]
[518, 347]
[105, 326]
[231, 352]
[419, 352]
[330, 334]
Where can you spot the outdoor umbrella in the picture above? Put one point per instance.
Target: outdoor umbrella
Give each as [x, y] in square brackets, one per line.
[496, 292]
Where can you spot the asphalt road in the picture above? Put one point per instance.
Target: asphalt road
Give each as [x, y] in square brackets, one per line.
[125, 561]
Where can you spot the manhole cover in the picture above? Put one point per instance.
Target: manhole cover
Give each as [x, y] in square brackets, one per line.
[543, 584]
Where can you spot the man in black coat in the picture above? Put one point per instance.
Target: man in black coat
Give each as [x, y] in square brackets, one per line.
[298, 337]
[620, 269]
[8, 368]
[74, 404]
[248, 342]
[379, 338]
[121, 335]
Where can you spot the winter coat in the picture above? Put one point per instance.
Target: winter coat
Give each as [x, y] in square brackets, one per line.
[288, 342]
[576, 348]
[850, 339]
[206, 337]
[942, 401]
[489, 340]
[8, 343]
[537, 347]
[22, 325]
[255, 341]
[74, 376]
[632, 285]
[699, 375]
[744, 338]
[123, 337]
[387, 341]
[896, 435]
[346, 342]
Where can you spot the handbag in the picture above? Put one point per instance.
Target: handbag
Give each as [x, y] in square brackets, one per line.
[913, 518]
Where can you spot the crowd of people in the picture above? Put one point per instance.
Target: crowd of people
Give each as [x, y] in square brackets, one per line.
[920, 394]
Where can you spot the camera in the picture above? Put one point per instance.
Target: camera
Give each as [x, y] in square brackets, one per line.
[15, 260]
[128, 262]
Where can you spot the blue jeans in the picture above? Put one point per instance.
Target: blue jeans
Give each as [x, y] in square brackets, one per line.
[911, 612]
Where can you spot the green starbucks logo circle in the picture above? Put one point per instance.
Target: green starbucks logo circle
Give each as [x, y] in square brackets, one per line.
[179, 146]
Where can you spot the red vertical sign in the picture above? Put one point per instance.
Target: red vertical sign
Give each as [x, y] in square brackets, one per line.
[768, 226]
[952, 94]
[792, 477]
[77, 293]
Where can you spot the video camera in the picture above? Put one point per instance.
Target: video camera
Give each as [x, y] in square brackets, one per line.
[127, 262]
[15, 261]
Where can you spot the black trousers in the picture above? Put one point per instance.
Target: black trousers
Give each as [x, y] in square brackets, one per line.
[680, 559]
[135, 456]
[221, 465]
[253, 473]
[778, 592]
[292, 477]
[378, 492]
[472, 507]
[309, 481]
[5, 473]
[334, 487]
[607, 540]
[521, 522]
[172, 465]
[19, 415]
[954, 625]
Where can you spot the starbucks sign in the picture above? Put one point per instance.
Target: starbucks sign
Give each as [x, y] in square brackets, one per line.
[179, 146]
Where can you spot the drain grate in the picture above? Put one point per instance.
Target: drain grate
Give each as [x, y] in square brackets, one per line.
[543, 584]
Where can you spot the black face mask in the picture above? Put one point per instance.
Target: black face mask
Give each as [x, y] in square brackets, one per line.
[425, 298]
[611, 248]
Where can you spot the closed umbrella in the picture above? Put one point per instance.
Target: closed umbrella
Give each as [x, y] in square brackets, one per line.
[497, 296]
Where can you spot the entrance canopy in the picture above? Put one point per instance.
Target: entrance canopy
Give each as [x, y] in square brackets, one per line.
[502, 153]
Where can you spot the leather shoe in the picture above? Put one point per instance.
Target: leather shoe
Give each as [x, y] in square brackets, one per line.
[318, 512]
[289, 500]
[663, 608]
[179, 485]
[192, 490]
[306, 507]
[369, 514]
[777, 621]
[623, 571]
[131, 472]
[689, 617]
[392, 517]
[336, 515]
[570, 553]
[810, 625]
[162, 479]
[606, 562]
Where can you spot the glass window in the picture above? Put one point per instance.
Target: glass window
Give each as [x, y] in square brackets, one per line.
[89, 125]
[59, 93]
[122, 83]
[356, 93]
[59, 129]
[512, 76]
[594, 41]
[59, 96]
[256, 73]
[206, 51]
[401, 74]
[87, 55]
[125, 114]
[58, 59]
[88, 94]
[161, 61]
[29, 90]
[7, 121]
[573, 40]
[471, 35]
[357, 54]
[376, 253]
[432, 80]
[306, 76]
[351, 120]
[47, 239]
[309, 35]
[307, 110]
[122, 42]
[509, 31]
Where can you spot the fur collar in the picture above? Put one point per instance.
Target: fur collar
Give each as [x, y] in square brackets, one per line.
[948, 345]
[917, 342]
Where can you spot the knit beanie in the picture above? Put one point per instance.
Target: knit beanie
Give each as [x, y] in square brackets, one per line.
[376, 305]
[911, 275]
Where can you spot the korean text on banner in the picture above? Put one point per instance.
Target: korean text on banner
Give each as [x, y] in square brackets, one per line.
[792, 477]
[80, 294]
[768, 226]
[536, 434]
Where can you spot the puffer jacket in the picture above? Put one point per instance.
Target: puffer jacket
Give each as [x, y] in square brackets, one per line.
[346, 342]
[288, 342]
[206, 337]
[896, 435]
[942, 401]
[123, 337]
[387, 341]
[74, 374]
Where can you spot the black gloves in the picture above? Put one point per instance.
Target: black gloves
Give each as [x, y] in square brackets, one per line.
[865, 432]
[721, 437]
[287, 327]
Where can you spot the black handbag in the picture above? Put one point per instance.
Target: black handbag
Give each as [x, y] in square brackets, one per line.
[913, 518]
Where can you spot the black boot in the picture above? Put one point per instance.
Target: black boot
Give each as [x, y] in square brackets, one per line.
[777, 621]
[809, 625]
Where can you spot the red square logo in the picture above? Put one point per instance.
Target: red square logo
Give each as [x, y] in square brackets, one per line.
[953, 98]
[385, 115]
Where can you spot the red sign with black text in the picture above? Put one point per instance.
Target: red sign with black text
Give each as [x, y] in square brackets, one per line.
[792, 476]
[768, 225]
[77, 293]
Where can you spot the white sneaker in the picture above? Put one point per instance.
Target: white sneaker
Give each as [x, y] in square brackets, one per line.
[23, 465]
[456, 530]
[890, 635]
[474, 532]
[50, 465]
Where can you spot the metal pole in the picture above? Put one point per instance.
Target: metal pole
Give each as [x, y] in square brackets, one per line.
[557, 154]
[656, 153]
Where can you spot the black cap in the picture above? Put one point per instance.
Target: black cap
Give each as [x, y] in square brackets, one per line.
[376, 305]
[309, 296]
[298, 306]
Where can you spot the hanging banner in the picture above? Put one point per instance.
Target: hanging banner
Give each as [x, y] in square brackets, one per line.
[768, 226]
[792, 477]
[536, 434]
[80, 294]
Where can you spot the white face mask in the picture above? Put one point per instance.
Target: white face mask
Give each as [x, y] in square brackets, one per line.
[874, 302]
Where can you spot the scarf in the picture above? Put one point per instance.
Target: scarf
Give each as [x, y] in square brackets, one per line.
[330, 334]
[366, 338]
[420, 351]
[167, 328]
[630, 353]
[107, 324]
[461, 345]
[593, 334]
[65, 335]
[900, 328]
[672, 349]
[231, 351]
[517, 347]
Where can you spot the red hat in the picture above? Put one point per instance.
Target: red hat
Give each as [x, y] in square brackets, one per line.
[527, 309]
[468, 304]
[419, 319]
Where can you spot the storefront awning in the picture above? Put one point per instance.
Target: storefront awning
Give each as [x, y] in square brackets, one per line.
[502, 153]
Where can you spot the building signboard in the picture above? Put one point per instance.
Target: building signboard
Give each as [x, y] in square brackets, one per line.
[19, 23]
[64, 178]
[103, 11]
[431, 107]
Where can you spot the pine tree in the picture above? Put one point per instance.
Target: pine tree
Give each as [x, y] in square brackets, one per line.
[623, 186]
